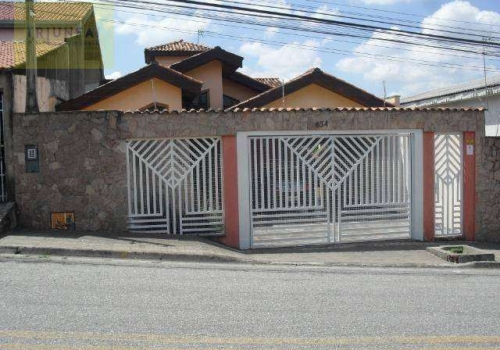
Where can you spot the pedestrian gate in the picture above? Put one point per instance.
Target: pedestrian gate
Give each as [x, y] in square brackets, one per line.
[448, 184]
[329, 188]
[175, 186]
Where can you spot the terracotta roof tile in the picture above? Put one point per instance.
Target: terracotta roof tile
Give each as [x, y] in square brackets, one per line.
[272, 82]
[186, 83]
[337, 109]
[13, 54]
[315, 76]
[46, 11]
[179, 45]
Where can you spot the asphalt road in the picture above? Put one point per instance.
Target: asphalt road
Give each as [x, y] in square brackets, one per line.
[115, 305]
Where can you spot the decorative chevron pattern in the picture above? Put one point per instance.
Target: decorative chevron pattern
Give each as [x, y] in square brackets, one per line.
[333, 159]
[172, 160]
[448, 184]
[175, 185]
[448, 154]
[329, 188]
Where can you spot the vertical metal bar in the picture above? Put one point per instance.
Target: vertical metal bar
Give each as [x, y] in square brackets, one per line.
[292, 183]
[286, 184]
[296, 179]
[339, 216]
[217, 174]
[179, 209]
[377, 172]
[148, 195]
[210, 181]
[384, 161]
[304, 184]
[185, 185]
[204, 183]
[198, 188]
[367, 179]
[261, 179]
[269, 164]
[253, 153]
[393, 165]
[134, 172]
[372, 175]
[273, 164]
[129, 187]
[280, 170]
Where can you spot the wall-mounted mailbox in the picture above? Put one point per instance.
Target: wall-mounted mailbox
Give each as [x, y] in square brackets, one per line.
[32, 159]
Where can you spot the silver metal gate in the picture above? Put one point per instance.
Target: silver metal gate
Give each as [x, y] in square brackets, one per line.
[175, 186]
[448, 182]
[329, 188]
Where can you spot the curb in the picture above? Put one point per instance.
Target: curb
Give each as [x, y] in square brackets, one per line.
[111, 254]
[214, 258]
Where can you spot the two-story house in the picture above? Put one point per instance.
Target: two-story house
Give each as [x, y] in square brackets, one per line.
[183, 75]
[69, 60]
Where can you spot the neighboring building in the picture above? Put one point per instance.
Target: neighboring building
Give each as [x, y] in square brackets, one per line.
[475, 93]
[68, 54]
[222, 86]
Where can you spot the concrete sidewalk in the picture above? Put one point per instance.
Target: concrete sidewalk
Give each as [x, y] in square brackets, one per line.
[161, 247]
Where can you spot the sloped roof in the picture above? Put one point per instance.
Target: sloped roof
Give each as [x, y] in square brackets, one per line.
[46, 11]
[471, 85]
[318, 77]
[272, 82]
[230, 61]
[249, 82]
[13, 54]
[116, 86]
[175, 48]
[180, 45]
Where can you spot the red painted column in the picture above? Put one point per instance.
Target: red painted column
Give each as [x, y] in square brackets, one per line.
[469, 206]
[230, 185]
[429, 186]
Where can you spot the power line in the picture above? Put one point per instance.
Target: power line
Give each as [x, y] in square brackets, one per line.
[307, 9]
[420, 43]
[316, 37]
[313, 48]
[209, 7]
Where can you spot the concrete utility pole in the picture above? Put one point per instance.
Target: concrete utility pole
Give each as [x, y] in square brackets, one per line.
[31, 100]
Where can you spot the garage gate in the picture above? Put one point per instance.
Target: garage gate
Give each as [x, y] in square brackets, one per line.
[307, 189]
[175, 186]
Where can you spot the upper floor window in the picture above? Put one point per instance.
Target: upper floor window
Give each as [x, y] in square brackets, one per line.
[229, 102]
[203, 100]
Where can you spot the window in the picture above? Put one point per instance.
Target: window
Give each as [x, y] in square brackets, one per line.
[202, 101]
[228, 101]
[155, 107]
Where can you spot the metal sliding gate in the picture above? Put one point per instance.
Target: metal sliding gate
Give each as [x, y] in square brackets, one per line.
[175, 186]
[448, 184]
[329, 188]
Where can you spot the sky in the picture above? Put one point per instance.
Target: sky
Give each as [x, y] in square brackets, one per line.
[269, 51]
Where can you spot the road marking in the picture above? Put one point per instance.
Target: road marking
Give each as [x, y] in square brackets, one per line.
[173, 339]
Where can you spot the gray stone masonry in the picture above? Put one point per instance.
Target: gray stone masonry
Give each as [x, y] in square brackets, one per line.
[83, 165]
[488, 192]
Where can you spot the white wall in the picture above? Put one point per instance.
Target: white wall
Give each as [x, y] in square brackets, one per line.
[492, 115]
[48, 91]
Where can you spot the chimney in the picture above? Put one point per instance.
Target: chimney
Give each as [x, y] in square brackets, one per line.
[394, 100]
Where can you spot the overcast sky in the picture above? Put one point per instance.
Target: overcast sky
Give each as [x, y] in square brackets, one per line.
[273, 52]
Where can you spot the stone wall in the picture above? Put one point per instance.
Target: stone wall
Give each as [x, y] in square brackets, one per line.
[488, 192]
[83, 169]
